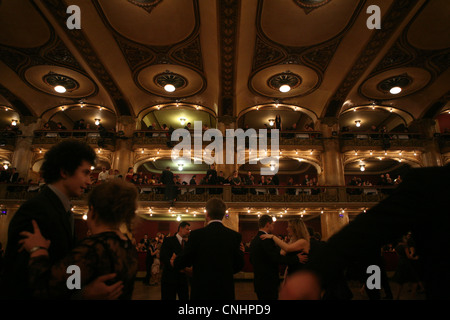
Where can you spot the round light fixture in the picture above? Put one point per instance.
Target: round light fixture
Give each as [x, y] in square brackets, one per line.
[182, 121]
[358, 123]
[60, 89]
[169, 87]
[271, 122]
[395, 90]
[362, 167]
[285, 88]
[97, 121]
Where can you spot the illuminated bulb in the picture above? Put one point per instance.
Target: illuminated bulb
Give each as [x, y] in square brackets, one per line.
[97, 122]
[248, 211]
[92, 168]
[169, 87]
[311, 152]
[60, 89]
[178, 218]
[356, 153]
[391, 110]
[321, 212]
[14, 122]
[415, 153]
[371, 153]
[358, 123]
[274, 219]
[99, 151]
[395, 90]
[385, 153]
[362, 167]
[285, 88]
[142, 151]
[40, 150]
[296, 152]
[84, 216]
[400, 153]
[197, 107]
[187, 210]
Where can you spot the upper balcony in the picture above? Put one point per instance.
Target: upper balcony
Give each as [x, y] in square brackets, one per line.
[376, 140]
[97, 139]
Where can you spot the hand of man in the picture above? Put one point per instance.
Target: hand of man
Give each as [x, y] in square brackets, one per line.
[99, 290]
[303, 258]
[172, 259]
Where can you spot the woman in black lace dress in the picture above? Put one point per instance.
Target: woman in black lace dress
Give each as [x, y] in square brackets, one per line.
[107, 250]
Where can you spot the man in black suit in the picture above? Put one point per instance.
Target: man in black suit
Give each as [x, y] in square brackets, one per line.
[266, 258]
[420, 204]
[174, 282]
[170, 189]
[215, 253]
[66, 171]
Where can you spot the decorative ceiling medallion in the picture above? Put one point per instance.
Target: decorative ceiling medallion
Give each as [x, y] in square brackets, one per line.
[287, 78]
[54, 79]
[168, 77]
[310, 5]
[147, 5]
[401, 81]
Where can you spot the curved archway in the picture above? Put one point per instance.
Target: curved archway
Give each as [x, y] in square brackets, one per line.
[256, 116]
[171, 113]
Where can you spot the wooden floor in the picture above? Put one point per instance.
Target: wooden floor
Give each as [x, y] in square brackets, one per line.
[244, 291]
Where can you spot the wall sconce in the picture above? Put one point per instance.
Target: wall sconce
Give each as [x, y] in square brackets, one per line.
[5, 165]
[180, 167]
[182, 121]
[362, 167]
[358, 123]
[271, 122]
[97, 121]
[14, 122]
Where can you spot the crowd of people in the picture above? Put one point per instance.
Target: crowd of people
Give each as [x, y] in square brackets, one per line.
[384, 180]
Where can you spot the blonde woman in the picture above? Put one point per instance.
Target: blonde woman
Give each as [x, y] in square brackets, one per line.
[298, 243]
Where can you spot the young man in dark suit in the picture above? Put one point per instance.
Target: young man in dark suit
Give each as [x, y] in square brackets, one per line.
[266, 258]
[174, 282]
[66, 171]
[215, 253]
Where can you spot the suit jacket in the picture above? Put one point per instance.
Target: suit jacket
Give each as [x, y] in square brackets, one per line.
[215, 255]
[266, 258]
[420, 204]
[167, 177]
[55, 225]
[170, 246]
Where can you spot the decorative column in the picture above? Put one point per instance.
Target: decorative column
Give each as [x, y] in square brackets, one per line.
[123, 156]
[228, 122]
[332, 175]
[23, 154]
[432, 156]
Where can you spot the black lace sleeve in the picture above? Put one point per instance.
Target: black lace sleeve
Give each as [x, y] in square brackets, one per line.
[50, 281]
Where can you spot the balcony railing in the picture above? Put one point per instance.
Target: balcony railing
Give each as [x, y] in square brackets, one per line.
[230, 193]
[106, 139]
[383, 140]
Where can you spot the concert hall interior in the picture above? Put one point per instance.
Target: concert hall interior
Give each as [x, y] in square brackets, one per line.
[356, 107]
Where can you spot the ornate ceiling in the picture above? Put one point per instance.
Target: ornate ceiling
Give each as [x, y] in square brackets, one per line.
[228, 56]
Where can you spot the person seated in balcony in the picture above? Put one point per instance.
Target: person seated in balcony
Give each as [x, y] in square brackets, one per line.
[47, 126]
[270, 182]
[314, 183]
[203, 181]
[290, 191]
[306, 180]
[61, 127]
[352, 182]
[236, 181]
[262, 182]
[134, 179]
[249, 181]
[79, 125]
[129, 174]
[188, 126]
